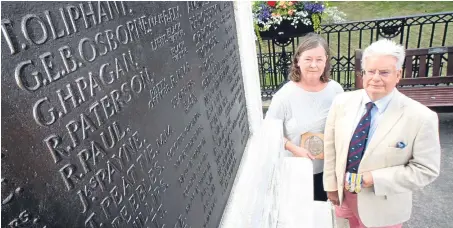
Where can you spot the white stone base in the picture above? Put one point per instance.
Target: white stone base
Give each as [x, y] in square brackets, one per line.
[252, 201]
[271, 191]
[295, 193]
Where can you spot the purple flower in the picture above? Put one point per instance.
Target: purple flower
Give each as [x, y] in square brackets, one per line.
[313, 7]
[264, 13]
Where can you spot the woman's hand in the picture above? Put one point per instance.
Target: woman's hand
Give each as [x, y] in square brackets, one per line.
[302, 152]
[297, 150]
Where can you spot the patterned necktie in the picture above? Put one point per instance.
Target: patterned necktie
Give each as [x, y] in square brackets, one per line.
[359, 140]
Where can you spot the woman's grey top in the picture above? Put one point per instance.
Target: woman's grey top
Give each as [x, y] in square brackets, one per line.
[303, 111]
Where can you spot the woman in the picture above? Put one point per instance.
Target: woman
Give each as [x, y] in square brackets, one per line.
[303, 103]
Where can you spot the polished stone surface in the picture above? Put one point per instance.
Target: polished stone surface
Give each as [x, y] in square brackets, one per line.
[119, 114]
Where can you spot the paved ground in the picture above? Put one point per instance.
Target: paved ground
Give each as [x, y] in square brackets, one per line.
[433, 206]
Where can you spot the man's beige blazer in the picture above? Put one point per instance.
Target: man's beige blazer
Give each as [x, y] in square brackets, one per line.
[397, 172]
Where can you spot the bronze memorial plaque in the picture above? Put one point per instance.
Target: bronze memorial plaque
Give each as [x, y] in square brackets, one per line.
[314, 143]
[119, 114]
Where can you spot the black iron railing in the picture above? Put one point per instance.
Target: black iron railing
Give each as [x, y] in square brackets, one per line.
[418, 31]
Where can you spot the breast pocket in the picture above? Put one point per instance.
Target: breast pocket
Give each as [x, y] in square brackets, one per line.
[396, 156]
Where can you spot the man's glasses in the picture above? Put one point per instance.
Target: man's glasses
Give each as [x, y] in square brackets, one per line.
[382, 73]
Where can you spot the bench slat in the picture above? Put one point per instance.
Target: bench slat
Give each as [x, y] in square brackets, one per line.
[450, 64]
[422, 69]
[426, 80]
[431, 97]
[428, 98]
[428, 51]
[436, 65]
[426, 88]
[408, 67]
[358, 69]
[421, 91]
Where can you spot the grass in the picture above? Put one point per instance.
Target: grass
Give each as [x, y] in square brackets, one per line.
[345, 43]
[385, 9]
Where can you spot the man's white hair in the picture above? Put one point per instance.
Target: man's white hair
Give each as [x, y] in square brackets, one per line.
[385, 47]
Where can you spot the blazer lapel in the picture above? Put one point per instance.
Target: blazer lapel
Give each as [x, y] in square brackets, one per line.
[351, 109]
[390, 117]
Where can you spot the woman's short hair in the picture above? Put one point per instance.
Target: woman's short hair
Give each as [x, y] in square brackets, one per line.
[310, 41]
[385, 47]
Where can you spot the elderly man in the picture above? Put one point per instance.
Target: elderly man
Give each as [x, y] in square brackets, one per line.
[380, 145]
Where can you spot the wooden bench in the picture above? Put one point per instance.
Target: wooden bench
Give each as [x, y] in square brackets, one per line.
[430, 84]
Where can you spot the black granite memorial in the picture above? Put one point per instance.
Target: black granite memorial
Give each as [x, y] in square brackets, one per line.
[119, 114]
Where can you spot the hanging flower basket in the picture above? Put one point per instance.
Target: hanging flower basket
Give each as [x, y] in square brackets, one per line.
[285, 30]
[286, 19]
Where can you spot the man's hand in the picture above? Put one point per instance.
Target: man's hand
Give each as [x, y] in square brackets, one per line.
[333, 197]
[302, 152]
[367, 180]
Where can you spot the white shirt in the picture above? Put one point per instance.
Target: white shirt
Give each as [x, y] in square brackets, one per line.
[303, 111]
[376, 112]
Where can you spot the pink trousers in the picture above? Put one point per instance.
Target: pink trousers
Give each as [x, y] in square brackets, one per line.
[348, 210]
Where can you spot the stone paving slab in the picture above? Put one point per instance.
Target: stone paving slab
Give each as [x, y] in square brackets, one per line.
[433, 206]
